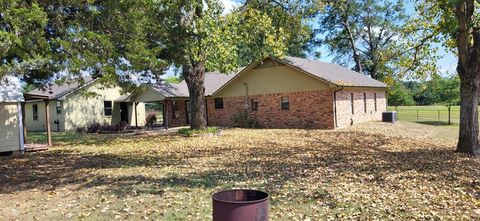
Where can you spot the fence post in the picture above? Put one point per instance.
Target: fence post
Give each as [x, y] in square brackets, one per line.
[417, 114]
[438, 115]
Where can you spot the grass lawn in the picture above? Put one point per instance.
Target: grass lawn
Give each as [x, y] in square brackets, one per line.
[433, 115]
[372, 171]
[57, 137]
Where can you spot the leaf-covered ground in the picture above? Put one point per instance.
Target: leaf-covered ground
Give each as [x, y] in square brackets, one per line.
[373, 171]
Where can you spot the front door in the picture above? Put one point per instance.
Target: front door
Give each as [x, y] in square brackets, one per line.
[124, 112]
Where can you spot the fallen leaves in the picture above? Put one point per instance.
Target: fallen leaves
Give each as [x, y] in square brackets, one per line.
[368, 172]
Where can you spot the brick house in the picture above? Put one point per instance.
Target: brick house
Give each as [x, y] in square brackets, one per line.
[279, 93]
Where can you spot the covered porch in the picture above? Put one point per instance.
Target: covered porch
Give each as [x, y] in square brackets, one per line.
[29, 146]
[173, 110]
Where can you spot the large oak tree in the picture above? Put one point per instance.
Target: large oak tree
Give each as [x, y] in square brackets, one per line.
[201, 39]
[459, 23]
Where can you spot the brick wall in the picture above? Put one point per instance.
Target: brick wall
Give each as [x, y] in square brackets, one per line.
[344, 110]
[180, 118]
[308, 109]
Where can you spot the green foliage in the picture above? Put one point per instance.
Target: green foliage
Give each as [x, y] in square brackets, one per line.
[173, 80]
[399, 95]
[290, 18]
[438, 90]
[188, 132]
[373, 28]
[25, 46]
[447, 90]
[243, 119]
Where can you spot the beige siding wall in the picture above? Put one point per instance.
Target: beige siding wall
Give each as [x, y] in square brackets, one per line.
[9, 127]
[344, 108]
[149, 95]
[141, 114]
[40, 124]
[79, 110]
[269, 78]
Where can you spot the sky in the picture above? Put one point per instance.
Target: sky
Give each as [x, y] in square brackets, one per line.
[447, 64]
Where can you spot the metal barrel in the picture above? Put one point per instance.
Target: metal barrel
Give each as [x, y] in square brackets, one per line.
[240, 205]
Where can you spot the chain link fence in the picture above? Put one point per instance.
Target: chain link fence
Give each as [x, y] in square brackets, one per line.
[428, 116]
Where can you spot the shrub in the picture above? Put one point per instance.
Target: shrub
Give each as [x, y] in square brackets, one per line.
[96, 127]
[151, 119]
[108, 128]
[93, 128]
[81, 129]
[243, 119]
[190, 132]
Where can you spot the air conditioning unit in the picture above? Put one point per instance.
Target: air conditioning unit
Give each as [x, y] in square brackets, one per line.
[389, 116]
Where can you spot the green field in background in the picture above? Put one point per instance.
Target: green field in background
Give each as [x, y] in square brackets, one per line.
[436, 115]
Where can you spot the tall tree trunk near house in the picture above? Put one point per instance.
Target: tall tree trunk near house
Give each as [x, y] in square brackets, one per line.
[195, 79]
[468, 45]
[468, 141]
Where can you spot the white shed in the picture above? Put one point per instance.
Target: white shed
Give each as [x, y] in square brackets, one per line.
[11, 126]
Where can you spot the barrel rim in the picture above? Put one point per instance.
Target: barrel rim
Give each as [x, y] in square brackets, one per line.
[241, 202]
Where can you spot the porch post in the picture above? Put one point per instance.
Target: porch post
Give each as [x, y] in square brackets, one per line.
[47, 122]
[25, 140]
[165, 103]
[136, 116]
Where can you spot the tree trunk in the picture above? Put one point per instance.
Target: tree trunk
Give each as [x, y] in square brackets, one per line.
[356, 56]
[469, 71]
[195, 78]
[468, 141]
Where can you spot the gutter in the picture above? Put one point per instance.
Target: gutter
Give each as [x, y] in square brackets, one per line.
[335, 105]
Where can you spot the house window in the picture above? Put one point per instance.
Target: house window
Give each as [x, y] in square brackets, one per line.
[218, 103]
[59, 107]
[352, 103]
[285, 103]
[365, 102]
[375, 100]
[107, 108]
[35, 111]
[254, 105]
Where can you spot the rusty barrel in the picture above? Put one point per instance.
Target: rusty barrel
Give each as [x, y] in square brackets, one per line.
[240, 205]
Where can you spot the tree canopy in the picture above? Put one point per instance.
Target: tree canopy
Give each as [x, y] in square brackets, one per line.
[378, 37]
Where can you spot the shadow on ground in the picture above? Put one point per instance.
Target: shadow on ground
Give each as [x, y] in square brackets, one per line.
[436, 123]
[369, 157]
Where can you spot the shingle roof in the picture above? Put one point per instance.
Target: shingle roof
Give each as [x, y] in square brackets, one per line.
[123, 98]
[171, 90]
[333, 73]
[10, 90]
[213, 81]
[56, 91]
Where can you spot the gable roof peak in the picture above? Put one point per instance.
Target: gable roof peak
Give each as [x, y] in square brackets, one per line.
[332, 73]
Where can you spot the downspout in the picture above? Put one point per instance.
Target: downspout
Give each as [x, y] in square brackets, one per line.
[335, 105]
[166, 113]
